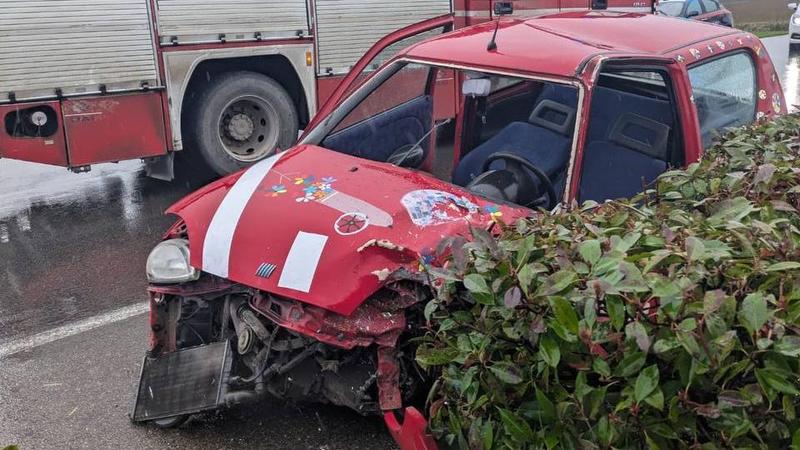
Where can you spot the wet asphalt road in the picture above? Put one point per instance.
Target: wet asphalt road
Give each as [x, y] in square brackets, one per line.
[73, 246]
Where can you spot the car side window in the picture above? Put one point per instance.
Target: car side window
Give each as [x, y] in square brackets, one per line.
[724, 92]
[693, 8]
[710, 6]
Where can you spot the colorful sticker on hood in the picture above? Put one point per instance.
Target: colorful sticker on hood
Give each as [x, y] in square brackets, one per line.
[356, 215]
[428, 207]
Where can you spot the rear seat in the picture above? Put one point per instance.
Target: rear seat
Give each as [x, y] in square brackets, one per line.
[634, 155]
[608, 105]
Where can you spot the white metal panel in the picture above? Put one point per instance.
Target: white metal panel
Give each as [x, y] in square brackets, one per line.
[346, 29]
[192, 21]
[74, 46]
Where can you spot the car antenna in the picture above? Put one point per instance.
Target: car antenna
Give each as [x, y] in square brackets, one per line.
[492, 46]
[500, 9]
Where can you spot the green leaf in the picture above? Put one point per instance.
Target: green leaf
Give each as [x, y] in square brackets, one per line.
[665, 345]
[581, 387]
[646, 383]
[549, 351]
[516, 426]
[547, 411]
[565, 314]
[637, 332]
[506, 373]
[785, 265]
[590, 251]
[789, 346]
[601, 367]
[476, 285]
[631, 364]
[616, 311]
[753, 313]
[656, 399]
[487, 434]
[556, 283]
[430, 307]
[771, 380]
[695, 249]
[430, 356]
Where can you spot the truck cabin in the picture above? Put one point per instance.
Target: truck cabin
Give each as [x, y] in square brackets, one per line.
[543, 118]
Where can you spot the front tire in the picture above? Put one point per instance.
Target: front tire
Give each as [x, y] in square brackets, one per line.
[240, 118]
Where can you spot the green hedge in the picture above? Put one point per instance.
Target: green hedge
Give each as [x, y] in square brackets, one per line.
[668, 321]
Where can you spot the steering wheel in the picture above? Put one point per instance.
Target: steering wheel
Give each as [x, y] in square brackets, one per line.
[515, 165]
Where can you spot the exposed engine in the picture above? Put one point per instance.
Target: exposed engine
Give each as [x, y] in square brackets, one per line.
[304, 353]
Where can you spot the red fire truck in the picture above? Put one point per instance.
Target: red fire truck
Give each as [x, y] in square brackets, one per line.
[221, 83]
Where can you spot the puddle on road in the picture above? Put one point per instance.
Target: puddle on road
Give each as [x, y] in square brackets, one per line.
[74, 245]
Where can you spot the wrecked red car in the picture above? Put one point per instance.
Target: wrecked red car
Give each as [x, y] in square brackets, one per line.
[304, 277]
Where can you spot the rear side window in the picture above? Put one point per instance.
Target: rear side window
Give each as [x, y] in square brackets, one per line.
[710, 5]
[724, 92]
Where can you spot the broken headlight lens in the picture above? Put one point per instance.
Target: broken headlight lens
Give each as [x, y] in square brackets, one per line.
[169, 263]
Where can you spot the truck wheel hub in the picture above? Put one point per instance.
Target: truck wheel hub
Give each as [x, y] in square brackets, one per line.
[240, 127]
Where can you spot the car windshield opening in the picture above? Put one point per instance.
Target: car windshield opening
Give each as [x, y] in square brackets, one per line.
[406, 116]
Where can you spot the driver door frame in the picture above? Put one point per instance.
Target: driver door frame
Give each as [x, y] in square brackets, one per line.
[685, 113]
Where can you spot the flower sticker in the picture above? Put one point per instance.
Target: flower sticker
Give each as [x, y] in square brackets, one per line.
[493, 211]
[695, 52]
[710, 48]
[776, 103]
[304, 180]
[762, 94]
[680, 58]
[351, 223]
[278, 189]
[721, 45]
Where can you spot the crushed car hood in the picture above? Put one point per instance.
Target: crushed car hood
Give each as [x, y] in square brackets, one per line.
[323, 227]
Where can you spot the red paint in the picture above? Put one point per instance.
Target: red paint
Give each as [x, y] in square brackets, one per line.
[345, 276]
[326, 86]
[114, 127]
[46, 150]
[367, 325]
[412, 434]
[162, 76]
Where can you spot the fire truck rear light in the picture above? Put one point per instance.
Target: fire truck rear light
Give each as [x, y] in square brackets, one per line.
[309, 59]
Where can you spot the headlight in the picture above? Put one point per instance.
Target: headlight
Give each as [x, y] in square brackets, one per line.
[169, 263]
[796, 20]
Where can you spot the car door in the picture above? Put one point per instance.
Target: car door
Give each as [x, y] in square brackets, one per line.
[635, 128]
[378, 54]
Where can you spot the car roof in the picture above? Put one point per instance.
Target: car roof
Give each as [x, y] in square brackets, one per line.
[560, 44]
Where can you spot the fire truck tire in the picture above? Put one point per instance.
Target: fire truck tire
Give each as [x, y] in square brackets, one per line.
[240, 118]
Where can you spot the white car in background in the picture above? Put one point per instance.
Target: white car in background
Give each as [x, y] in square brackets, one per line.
[794, 28]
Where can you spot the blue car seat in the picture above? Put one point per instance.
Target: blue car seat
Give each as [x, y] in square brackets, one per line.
[544, 140]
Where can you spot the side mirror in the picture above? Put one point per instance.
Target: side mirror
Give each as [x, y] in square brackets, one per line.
[693, 14]
[792, 6]
[599, 4]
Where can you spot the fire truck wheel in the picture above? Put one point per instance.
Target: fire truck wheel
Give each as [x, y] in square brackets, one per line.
[240, 118]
